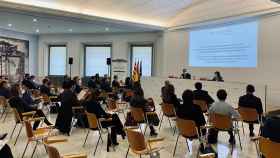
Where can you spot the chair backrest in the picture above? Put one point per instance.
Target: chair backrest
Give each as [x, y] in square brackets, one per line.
[269, 148]
[3, 101]
[202, 103]
[137, 114]
[28, 129]
[17, 117]
[53, 152]
[136, 140]
[168, 110]
[210, 155]
[92, 120]
[111, 104]
[248, 114]
[187, 128]
[221, 122]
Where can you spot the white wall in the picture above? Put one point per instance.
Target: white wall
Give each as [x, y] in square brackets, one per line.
[30, 66]
[75, 44]
[267, 71]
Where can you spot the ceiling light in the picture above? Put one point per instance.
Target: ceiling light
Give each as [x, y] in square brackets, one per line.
[35, 20]
[37, 30]
[107, 29]
[10, 25]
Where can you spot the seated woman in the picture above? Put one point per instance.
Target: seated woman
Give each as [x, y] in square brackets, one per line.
[27, 96]
[77, 83]
[92, 105]
[190, 111]
[139, 101]
[17, 102]
[168, 95]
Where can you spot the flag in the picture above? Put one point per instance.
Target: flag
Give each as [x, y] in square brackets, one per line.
[135, 74]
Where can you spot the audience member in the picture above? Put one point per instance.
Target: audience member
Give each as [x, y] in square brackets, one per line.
[190, 111]
[223, 108]
[139, 101]
[271, 126]
[115, 83]
[33, 82]
[92, 82]
[105, 85]
[4, 89]
[45, 87]
[200, 94]
[251, 101]
[185, 74]
[93, 106]
[65, 113]
[18, 103]
[128, 83]
[27, 95]
[169, 96]
[27, 81]
[77, 84]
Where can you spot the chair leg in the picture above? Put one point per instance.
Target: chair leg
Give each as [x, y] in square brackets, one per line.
[5, 116]
[127, 152]
[239, 140]
[86, 138]
[188, 147]
[170, 123]
[13, 130]
[243, 128]
[176, 145]
[97, 145]
[34, 149]
[25, 150]
[100, 135]
[146, 125]
[160, 122]
[18, 134]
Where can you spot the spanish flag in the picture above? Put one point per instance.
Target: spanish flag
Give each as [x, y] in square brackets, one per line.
[135, 72]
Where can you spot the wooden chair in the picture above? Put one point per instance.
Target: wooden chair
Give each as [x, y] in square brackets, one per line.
[210, 155]
[19, 120]
[35, 136]
[5, 108]
[224, 123]
[113, 107]
[78, 113]
[94, 125]
[53, 152]
[139, 145]
[187, 129]
[266, 147]
[169, 112]
[139, 117]
[203, 105]
[248, 115]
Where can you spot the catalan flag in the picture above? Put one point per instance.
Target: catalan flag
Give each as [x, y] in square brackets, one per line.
[136, 72]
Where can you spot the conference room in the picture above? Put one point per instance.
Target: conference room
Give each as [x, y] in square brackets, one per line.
[139, 78]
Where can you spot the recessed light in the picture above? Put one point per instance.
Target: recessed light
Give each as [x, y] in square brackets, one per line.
[37, 30]
[35, 20]
[70, 30]
[107, 28]
[10, 25]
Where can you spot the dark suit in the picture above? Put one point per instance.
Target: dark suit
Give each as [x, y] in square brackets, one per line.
[5, 93]
[65, 113]
[22, 107]
[186, 76]
[251, 101]
[271, 127]
[115, 84]
[190, 111]
[92, 84]
[45, 90]
[203, 95]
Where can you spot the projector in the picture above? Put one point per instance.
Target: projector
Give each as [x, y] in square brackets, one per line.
[276, 1]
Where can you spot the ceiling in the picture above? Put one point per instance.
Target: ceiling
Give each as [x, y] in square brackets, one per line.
[151, 12]
[35, 23]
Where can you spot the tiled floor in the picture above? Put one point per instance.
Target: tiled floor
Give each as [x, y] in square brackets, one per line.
[75, 141]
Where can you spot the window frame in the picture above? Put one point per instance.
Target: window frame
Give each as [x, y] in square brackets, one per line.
[49, 57]
[131, 56]
[97, 45]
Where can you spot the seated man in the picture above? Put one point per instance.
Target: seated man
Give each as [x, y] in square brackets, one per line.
[4, 89]
[200, 94]
[223, 108]
[251, 101]
[186, 75]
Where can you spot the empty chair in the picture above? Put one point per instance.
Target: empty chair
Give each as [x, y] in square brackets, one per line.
[53, 153]
[266, 147]
[169, 112]
[139, 145]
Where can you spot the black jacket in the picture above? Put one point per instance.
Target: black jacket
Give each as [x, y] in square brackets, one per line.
[5, 93]
[251, 101]
[93, 106]
[203, 95]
